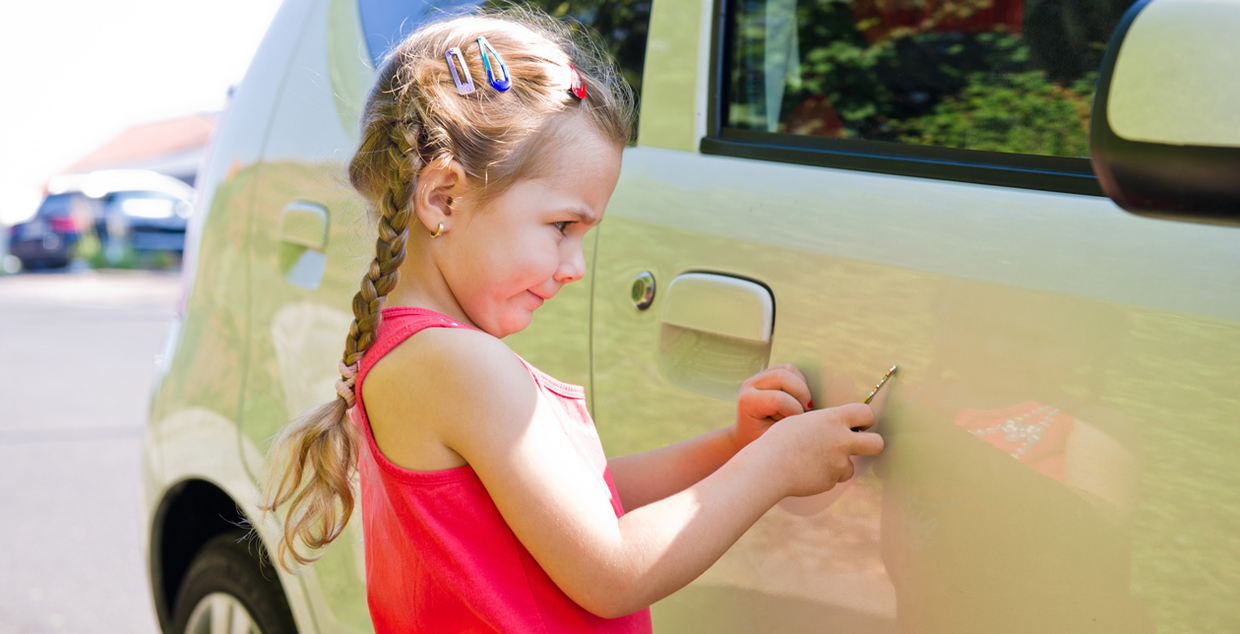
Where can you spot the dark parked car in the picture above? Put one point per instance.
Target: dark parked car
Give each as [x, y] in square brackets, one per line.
[127, 210]
[48, 239]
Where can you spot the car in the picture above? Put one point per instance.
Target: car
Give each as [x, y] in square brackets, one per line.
[1030, 208]
[135, 211]
[48, 239]
[149, 220]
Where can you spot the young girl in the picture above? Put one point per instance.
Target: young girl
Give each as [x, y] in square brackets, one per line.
[490, 146]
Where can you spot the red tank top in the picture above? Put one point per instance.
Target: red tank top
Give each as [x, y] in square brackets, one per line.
[439, 557]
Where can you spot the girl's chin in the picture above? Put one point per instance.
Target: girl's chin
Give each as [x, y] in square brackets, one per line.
[515, 322]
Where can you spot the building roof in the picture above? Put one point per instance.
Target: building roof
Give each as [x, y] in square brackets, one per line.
[149, 143]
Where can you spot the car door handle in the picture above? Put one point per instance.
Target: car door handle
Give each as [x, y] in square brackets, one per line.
[303, 243]
[304, 224]
[720, 305]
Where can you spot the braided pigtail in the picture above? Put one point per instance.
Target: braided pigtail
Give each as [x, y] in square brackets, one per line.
[394, 211]
[415, 116]
[320, 448]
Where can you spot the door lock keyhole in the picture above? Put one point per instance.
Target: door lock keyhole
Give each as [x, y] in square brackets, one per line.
[643, 290]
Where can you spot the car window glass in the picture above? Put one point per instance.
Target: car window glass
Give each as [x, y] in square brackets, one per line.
[141, 205]
[55, 205]
[385, 23]
[620, 24]
[999, 75]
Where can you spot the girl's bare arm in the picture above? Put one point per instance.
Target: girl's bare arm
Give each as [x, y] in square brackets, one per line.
[558, 506]
[775, 393]
[650, 476]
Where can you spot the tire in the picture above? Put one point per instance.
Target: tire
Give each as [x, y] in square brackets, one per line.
[228, 582]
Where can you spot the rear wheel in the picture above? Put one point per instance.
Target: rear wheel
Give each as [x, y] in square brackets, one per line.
[229, 589]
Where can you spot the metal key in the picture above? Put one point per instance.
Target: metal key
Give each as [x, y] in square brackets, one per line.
[880, 384]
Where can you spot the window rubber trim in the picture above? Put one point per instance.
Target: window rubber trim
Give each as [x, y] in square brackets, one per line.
[1027, 171]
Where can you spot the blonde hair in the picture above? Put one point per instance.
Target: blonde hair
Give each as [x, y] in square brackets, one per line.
[415, 117]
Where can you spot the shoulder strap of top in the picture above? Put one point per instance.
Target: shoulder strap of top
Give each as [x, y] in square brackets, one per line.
[398, 324]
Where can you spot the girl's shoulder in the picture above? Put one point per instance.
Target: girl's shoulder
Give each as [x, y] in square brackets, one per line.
[456, 380]
[436, 351]
[456, 359]
[412, 339]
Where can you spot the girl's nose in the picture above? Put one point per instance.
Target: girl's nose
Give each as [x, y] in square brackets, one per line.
[573, 267]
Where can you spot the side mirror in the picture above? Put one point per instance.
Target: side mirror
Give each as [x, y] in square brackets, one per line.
[1165, 127]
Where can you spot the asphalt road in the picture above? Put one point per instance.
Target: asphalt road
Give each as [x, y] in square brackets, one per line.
[77, 355]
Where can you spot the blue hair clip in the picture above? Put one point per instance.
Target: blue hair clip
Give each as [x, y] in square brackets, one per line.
[463, 87]
[499, 84]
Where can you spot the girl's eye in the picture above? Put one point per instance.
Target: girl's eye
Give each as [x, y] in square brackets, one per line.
[562, 225]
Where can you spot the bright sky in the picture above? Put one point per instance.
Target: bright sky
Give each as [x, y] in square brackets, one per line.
[78, 72]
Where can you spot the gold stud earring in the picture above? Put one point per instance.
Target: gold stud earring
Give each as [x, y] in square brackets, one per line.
[438, 231]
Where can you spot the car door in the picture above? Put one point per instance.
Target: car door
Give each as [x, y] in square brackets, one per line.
[899, 184]
[307, 251]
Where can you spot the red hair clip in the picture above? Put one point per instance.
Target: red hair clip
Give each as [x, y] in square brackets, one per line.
[576, 85]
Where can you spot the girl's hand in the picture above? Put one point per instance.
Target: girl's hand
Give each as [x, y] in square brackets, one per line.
[777, 392]
[817, 448]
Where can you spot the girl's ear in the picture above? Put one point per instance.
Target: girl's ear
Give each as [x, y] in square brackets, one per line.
[438, 186]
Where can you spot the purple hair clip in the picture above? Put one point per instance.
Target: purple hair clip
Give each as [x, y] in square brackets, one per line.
[463, 87]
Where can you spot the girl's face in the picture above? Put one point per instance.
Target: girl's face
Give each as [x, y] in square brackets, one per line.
[501, 262]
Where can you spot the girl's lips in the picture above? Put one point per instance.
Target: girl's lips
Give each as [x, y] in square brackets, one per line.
[536, 298]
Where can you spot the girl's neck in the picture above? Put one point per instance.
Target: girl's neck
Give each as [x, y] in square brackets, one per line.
[412, 297]
[421, 285]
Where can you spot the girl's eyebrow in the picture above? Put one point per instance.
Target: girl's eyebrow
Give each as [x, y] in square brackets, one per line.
[582, 214]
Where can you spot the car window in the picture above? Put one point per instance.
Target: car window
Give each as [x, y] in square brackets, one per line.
[385, 23]
[55, 205]
[1014, 76]
[72, 203]
[621, 24]
[143, 204]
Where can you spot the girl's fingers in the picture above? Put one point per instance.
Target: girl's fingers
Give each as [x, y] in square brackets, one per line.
[773, 404]
[858, 416]
[866, 443]
[794, 370]
[848, 472]
[784, 377]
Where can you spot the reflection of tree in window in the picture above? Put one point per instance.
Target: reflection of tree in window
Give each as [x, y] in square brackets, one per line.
[1000, 75]
[620, 24]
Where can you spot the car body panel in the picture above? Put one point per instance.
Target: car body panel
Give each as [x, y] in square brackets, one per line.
[986, 304]
[675, 95]
[202, 365]
[185, 434]
[1120, 333]
[36, 244]
[299, 329]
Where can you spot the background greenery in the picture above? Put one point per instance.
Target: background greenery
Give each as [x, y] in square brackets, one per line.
[929, 72]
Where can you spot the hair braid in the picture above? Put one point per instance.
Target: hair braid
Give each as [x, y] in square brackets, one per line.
[383, 274]
[324, 439]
